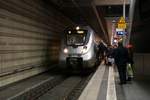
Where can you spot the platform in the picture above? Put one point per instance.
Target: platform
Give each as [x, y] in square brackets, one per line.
[104, 85]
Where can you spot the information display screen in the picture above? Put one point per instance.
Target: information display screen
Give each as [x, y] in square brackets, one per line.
[121, 33]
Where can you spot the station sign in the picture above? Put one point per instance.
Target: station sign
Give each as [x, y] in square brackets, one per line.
[121, 23]
[120, 31]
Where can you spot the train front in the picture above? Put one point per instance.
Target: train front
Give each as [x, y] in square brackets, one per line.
[77, 49]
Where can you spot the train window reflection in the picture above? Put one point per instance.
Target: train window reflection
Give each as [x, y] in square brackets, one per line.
[76, 38]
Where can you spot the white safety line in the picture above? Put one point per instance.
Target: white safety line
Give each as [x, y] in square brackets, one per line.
[92, 89]
[111, 90]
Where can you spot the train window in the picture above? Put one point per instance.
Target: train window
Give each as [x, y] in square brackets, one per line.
[75, 37]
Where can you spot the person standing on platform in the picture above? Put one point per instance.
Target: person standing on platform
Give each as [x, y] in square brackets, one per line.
[101, 50]
[110, 59]
[121, 59]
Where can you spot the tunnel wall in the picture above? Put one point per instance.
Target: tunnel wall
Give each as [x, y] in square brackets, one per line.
[140, 27]
[141, 66]
[29, 38]
[140, 39]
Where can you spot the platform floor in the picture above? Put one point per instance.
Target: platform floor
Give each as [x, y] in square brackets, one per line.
[104, 85]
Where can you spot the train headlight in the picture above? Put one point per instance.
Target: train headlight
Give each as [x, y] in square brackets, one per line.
[77, 28]
[84, 49]
[65, 50]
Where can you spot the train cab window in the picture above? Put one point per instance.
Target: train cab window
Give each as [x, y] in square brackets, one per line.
[76, 37]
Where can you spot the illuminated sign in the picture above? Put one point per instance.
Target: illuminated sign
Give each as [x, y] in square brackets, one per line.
[119, 29]
[76, 32]
[122, 23]
[121, 33]
[80, 32]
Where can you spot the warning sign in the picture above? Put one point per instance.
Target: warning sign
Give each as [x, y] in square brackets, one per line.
[122, 23]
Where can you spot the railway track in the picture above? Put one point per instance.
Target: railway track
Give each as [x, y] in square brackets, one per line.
[69, 89]
[57, 87]
[39, 89]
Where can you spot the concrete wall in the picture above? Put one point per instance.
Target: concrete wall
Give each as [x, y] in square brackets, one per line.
[142, 65]
[29, 38]
[109, 27]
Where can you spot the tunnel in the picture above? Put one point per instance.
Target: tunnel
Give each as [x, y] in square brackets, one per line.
[29, 38]
[31, 33]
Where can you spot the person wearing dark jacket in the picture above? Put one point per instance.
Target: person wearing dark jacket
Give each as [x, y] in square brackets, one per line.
[121, 59]
[101, 49]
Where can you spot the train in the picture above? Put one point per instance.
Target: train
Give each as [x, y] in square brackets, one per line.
[78, 48]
